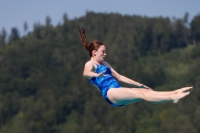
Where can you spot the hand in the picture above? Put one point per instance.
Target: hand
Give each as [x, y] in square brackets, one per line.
[101, 74]
[144, 86]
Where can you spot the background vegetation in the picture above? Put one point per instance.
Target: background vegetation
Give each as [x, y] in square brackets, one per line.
[42, 89]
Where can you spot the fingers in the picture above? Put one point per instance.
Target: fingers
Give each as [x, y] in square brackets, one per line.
[147, 87]
[144, 86]
[102, 74]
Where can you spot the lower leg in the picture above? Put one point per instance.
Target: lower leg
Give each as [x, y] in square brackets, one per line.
[127, 95]
[163, 93]
[158, 97]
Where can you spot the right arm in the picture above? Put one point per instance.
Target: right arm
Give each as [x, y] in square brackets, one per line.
[89, 71]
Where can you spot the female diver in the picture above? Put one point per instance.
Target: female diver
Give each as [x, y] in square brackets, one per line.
[105, 78]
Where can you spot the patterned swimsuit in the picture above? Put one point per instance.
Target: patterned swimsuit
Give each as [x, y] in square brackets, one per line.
[104, 83]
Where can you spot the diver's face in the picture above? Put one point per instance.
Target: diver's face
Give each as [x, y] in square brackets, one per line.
[100, 54]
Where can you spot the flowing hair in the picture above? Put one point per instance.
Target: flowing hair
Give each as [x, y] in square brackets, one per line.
[94, 45]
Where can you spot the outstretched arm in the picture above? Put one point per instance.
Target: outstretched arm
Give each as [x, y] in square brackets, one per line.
[124, 79]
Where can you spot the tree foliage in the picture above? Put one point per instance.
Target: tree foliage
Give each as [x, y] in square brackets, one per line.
[42, 89]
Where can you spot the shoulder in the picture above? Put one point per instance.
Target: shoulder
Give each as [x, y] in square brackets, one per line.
[106, 63]
[89, 65]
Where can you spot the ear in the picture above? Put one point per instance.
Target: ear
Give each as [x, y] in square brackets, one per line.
[94, 52]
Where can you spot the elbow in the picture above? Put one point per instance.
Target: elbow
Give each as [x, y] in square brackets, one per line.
[84, 74]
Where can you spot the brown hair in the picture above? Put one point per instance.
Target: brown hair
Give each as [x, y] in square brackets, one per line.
[94, 45]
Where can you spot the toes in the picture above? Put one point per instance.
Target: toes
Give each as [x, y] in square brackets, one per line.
[188, 89]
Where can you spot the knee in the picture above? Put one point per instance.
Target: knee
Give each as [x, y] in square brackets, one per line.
[140, 93]
[148, 90]
[145, 93]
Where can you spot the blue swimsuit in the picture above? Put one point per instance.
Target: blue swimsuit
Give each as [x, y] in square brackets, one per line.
[104, 83]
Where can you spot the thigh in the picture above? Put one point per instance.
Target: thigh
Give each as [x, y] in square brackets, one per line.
[125, 95]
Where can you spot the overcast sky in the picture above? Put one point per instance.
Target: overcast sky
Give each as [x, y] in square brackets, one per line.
[13, 13]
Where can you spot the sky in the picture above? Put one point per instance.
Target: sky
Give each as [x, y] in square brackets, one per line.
[14, 13]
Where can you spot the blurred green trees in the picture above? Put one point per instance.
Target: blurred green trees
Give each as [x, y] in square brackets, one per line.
[42, 89]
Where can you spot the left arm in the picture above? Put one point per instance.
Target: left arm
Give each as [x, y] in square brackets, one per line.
[124, 79]
[127, 80]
